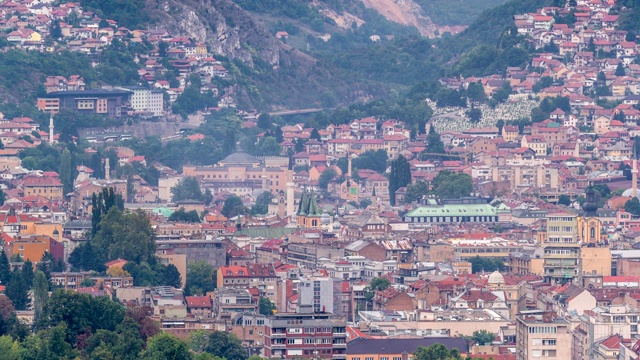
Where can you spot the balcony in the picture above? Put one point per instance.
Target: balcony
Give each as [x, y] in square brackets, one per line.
[278, 335]
[278, 346]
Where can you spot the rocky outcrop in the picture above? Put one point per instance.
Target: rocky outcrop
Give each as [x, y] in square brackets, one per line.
[405, 12]
[225, 27]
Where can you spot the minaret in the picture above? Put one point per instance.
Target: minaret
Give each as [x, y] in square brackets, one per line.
[51, 129]
[107, 169]
[634, 178]
[634, 174]
[291, 200]
[349, 166]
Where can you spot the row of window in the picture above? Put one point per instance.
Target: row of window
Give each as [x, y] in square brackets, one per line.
[543, 330]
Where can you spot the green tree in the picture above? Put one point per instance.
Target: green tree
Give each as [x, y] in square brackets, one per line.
[436, 352]
[434, 143]
[399, 176]
[225, 345]
[172, 276]
[101, 203]
[503, 93]
[181, 215]
[198, 340]
[474, 114]
[266, 306]
[564, 200]
[188, 188]
[262, 204]
[632, 206]
[376, 284]
[452, 185]
[326, 177]
[483, 337]
[124, 235]
[66, 172]
[18, 289]
[54, 30]
[416, 191]
[40, 292]
[5, 269]
[201, 278]
[480, 264]
[3, 197]
[9, 348]
[165, 346]
[268, 146]
[80, 312]
[233, 206]
[372, 160]
[620, 70]
[364, 203]
[475, 92]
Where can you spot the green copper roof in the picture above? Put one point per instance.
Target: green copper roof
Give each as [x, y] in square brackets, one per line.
[314, 210]
[304, 204]
[266, 232]
[164, 211]
[454, 210]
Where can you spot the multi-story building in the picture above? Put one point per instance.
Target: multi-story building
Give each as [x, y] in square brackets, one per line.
[228, 302]
[45, 186]
[241, 166]
[98, 101]
[307, 255]
[211, 251]
[305, 335]
[262, 277]
[619, 319]
[561, 249]
[317, 291]
[146, 100]
[540, 334]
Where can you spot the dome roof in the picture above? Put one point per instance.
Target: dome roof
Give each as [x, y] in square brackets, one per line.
[325, 219]
[629, 193]
[496, 278]
[240, 158]
[336, 225]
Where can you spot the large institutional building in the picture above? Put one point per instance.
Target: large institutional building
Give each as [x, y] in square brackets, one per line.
[241, 173]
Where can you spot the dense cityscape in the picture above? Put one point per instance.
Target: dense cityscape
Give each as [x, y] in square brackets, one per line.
[173, 192]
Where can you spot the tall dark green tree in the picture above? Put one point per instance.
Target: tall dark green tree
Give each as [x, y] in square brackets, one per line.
[40, 292]
[66, 172]
[399, 176]
[18, 290]
[434, 144]
[5, 269]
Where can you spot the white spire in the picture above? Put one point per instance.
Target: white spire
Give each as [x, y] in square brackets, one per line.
[634, 178]
[51, 128]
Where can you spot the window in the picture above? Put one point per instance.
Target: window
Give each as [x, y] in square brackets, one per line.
[549, 342]
[536, 353]
[536, 342]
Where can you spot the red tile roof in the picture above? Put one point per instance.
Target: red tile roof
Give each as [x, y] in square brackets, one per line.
[198, 301]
